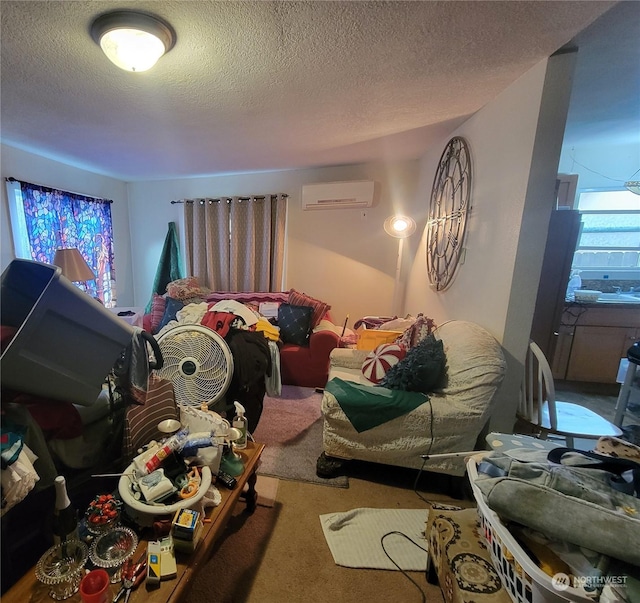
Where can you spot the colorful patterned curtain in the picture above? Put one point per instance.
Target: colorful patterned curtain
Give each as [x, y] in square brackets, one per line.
[58, 219]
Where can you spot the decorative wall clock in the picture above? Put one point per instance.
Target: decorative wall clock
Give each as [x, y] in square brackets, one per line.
[448, 210]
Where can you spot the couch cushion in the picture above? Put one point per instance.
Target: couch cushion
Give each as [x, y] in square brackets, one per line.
[158, 306]
[420, 370]
[413, 335]
[171, 308]
[187, 289]
[320, 308]
[294, 323]
[380, 360]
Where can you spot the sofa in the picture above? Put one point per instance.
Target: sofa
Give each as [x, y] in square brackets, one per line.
[450, 419]
[303, 363]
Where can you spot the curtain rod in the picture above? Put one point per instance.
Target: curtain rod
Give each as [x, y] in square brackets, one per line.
[228, 199]
[48, 189]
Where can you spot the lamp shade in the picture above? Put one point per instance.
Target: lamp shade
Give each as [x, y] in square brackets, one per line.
[73, 265]
[399, 226]
[132, 40]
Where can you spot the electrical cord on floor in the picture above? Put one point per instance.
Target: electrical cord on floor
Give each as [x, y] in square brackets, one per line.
[423, 596]
[424, 462]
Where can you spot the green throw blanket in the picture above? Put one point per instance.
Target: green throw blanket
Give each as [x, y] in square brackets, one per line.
[368, 406]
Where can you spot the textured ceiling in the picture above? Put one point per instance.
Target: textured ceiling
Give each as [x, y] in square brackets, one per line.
[253, 86]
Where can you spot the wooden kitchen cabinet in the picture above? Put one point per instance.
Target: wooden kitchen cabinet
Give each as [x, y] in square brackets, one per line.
[596, 352]
[600, 337]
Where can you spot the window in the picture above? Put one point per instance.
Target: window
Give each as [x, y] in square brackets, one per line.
[45, 219]
[610, 234]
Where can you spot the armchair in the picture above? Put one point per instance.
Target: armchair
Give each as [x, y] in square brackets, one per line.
[450, 421]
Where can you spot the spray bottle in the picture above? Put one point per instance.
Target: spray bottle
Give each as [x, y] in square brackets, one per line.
[575, 282]
[240, 422]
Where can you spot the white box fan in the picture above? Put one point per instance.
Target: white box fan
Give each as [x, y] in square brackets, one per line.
[198, 362]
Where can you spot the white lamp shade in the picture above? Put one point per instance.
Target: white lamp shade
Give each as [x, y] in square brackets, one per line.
[73, 265]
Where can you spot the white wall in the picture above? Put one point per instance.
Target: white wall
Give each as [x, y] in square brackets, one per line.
[340, 256]
[603, 170]
[29, 167]
[514, 169]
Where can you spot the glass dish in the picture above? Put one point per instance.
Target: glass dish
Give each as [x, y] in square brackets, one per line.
[103, 514]
[111, 549]
[62, 568]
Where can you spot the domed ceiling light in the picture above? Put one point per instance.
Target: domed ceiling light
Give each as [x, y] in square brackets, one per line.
[132, 40]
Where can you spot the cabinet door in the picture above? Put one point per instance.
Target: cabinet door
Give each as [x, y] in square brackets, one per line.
[596, 353]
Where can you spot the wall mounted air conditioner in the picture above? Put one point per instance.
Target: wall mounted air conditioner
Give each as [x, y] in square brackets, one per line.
[338, 195]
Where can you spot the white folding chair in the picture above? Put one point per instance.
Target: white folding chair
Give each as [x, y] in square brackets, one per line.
[539, 407]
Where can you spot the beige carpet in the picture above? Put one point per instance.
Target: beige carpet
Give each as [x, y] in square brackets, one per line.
[279, 554]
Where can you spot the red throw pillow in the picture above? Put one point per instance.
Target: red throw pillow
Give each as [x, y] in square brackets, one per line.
[380, 360]
[158, 306]
[320, 308]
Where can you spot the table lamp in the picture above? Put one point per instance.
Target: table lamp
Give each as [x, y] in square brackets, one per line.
[73, 265]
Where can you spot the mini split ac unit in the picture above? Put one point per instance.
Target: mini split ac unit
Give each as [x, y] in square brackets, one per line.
[338, 195]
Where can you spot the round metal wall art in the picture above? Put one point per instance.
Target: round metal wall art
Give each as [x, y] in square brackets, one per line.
[448, 210]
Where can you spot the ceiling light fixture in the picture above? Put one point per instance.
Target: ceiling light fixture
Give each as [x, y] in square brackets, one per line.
[132, 40]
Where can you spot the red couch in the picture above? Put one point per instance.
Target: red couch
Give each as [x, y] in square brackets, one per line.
[305, 366]
[308, 366]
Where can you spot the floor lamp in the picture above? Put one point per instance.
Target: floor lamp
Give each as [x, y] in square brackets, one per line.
[399, 227]
[73, 266]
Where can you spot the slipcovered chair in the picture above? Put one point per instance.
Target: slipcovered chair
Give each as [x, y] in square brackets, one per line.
[451, 420]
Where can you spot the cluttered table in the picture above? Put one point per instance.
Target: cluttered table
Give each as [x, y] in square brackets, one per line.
[29, 590]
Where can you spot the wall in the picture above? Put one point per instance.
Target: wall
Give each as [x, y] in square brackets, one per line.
[514, 169]
[341, 256]
[36, 169]
[602, 170]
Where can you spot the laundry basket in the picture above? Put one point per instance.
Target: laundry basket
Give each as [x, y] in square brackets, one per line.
[521, 577]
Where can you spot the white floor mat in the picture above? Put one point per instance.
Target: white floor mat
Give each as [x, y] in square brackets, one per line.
[354, 538]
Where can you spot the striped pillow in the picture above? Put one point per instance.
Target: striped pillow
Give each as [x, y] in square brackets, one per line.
[158, 306]
[141, 422]
[380, 360]
[320, 308]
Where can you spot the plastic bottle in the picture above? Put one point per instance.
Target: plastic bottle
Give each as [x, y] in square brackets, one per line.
[240, 422]
[575, 282]
[65, 520]
[174, 443]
